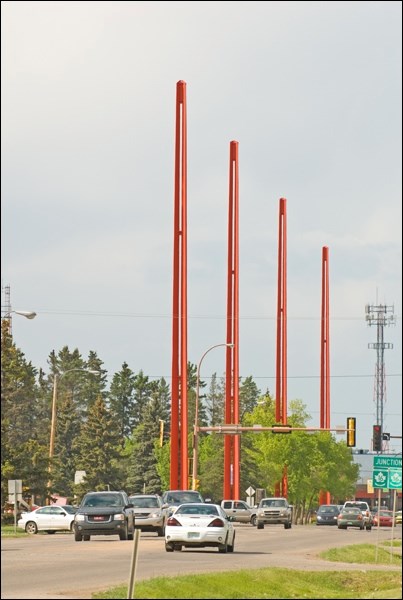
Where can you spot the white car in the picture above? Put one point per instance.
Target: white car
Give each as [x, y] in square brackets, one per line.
[48, 518]
[199, 525]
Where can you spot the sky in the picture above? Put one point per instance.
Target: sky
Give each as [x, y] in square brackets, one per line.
[312, 93]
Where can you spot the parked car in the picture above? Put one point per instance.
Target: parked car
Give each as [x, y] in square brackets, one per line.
[398, 517]
[199, 525]
[327, 514]
[173, 498]
[365, 511]
[384, 518]
[48, 518]
[148, 513]
[239, 511]
[104, 513]
[272, 511]
[350, 517]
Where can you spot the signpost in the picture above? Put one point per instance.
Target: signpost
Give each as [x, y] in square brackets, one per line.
[387, 472]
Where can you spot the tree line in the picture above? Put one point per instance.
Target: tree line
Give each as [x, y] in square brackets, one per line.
[113, 433]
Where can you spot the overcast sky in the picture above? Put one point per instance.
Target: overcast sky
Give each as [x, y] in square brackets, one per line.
[312, 93]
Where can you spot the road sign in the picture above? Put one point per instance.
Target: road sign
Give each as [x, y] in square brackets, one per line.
[387, 472]
[250, 491]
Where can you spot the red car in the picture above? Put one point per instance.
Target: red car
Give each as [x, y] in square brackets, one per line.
[385, 518]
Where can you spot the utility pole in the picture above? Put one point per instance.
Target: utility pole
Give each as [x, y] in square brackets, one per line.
[377, 314]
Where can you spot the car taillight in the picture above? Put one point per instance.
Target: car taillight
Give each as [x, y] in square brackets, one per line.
[216, 523]
[172, 522]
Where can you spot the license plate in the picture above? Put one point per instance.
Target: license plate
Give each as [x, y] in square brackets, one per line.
[193, 534]
[349, 522]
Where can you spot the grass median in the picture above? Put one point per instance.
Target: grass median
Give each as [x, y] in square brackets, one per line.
[283, 583]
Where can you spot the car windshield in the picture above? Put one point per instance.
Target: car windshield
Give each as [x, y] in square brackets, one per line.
[360, 505]
[180, 497]
[144, 502]
[351, 510]
[267, 503]
[191, 509]
[102, 500]
[328, 509]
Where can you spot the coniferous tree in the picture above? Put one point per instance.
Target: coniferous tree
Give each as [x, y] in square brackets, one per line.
[142, 388]
[23, 455]
[121, 401]
[98, 451]
[142, 465]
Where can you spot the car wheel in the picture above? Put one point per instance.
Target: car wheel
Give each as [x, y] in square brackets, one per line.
[253, 520]
[369, 527]
[231, 548]
[72, 527]
[160, 531]
[130, 536]
[78, 537]
[31, 527]
[169, 548]
[223, 548]
[260, 525]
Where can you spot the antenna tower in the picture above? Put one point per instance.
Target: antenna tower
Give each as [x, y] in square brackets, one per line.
[377, 314]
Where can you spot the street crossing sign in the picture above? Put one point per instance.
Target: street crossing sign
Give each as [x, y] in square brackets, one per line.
[387, 472]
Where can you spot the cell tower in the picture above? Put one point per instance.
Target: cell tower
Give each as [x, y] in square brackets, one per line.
[6, 307]
[377, 314]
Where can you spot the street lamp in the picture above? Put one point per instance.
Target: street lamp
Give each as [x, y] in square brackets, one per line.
[28, 314]
[196, 424]
[54, 401]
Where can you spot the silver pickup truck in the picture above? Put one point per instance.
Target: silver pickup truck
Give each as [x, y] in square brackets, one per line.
[239, 511]
[274, 510]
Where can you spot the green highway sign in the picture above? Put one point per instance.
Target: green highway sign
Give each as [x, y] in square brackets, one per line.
[387, 472]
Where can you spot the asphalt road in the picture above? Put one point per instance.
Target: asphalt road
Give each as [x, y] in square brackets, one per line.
[55, 566]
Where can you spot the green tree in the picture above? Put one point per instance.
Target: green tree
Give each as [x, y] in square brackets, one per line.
[23, 453]
[121, 401]
[98, 451]
[142, 465]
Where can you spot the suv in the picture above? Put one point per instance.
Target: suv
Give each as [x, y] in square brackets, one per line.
[104, 513]
[239, 511]
[173, 498]
[364, 508]
[274, 510]
[148, 513]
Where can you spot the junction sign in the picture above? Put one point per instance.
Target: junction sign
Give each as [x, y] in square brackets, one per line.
[387, 472]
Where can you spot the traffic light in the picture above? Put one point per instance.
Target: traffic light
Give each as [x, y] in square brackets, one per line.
[377, 438]
[351, 432]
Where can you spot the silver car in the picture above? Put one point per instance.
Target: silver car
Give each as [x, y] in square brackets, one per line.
[148, 512]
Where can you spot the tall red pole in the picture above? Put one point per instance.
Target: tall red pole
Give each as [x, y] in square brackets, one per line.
[324, 497]
[281, 344]
[179, 407]
[231, 442]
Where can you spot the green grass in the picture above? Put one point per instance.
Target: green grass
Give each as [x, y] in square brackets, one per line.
[268, 583]
[9, 531]
[362, 553]
[282, 583]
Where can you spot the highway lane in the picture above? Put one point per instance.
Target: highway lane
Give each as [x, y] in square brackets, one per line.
[44, 566]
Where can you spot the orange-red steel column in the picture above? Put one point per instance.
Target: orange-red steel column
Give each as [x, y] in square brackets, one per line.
[281, 344]
[324, 497]
[179, 408]
[232, 442]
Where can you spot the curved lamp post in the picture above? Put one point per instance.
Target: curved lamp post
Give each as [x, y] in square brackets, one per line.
[28, 314]
[196, 423]
[54, 403]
